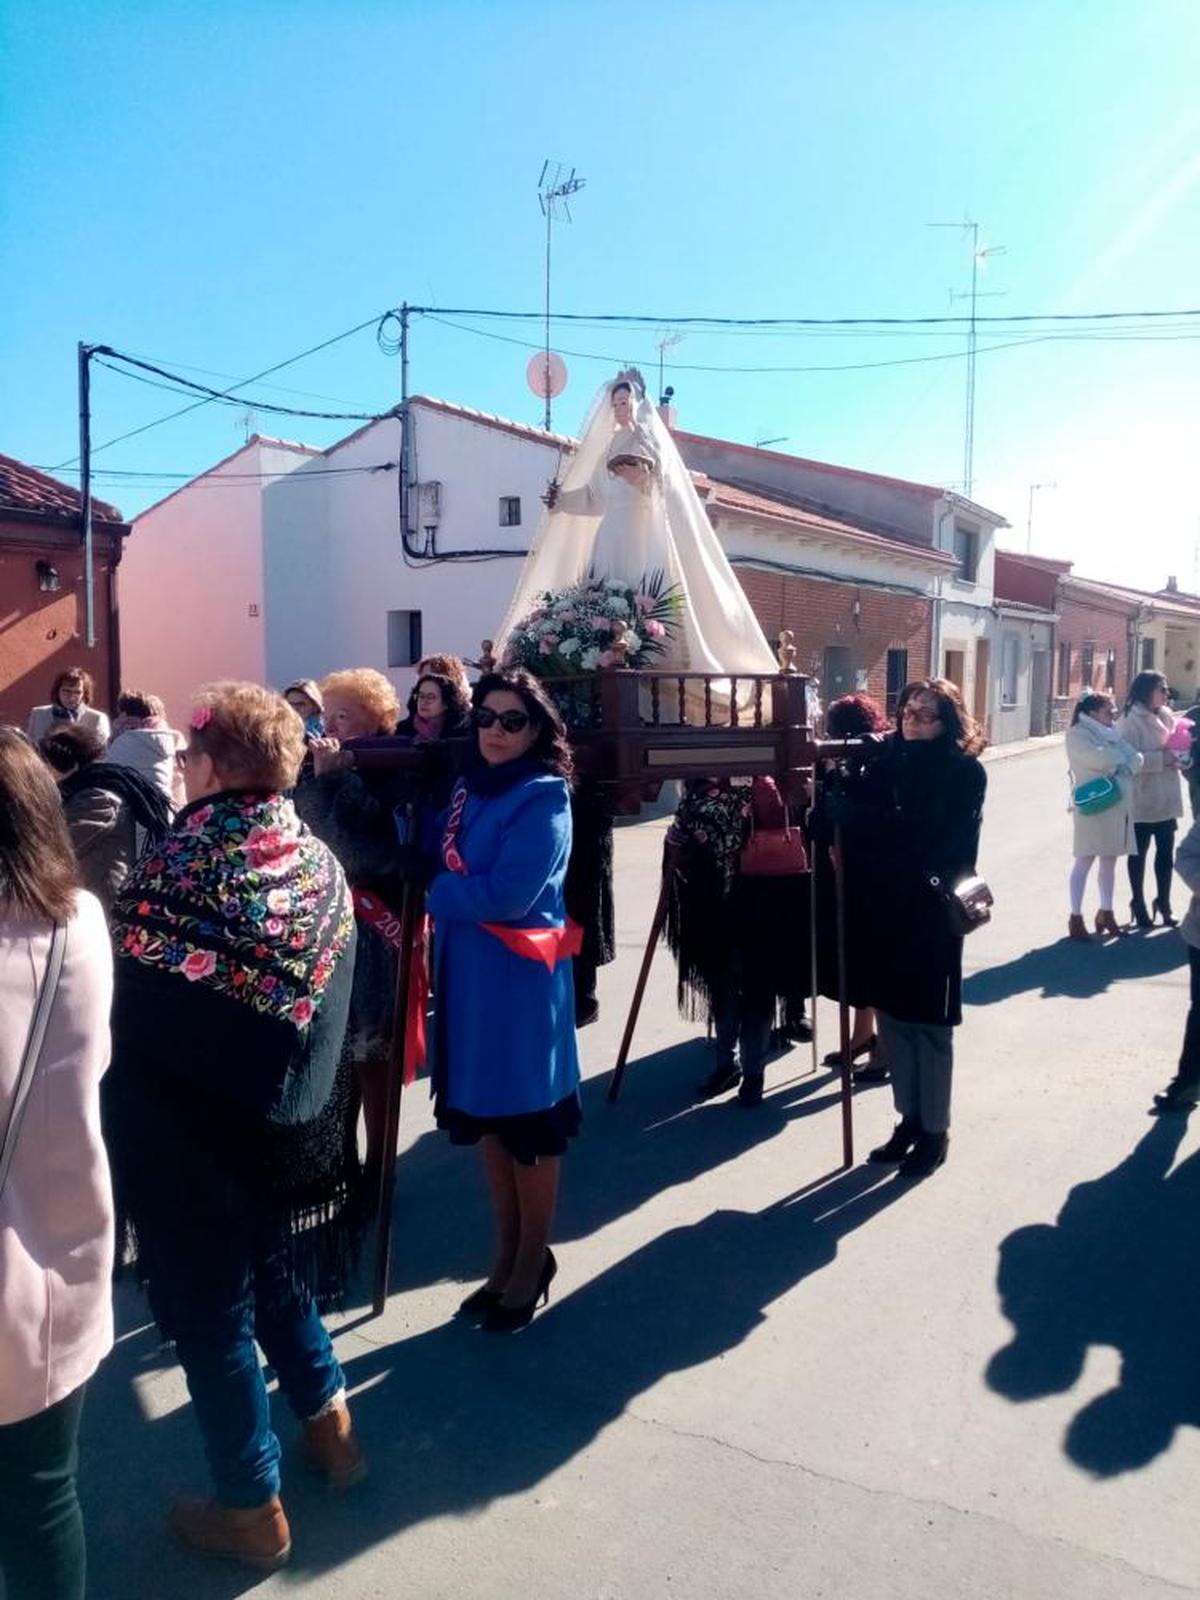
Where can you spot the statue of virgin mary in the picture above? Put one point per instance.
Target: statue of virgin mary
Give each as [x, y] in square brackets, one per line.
[627, 508]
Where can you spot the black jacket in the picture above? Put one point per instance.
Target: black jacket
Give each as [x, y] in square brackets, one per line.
[912, 814]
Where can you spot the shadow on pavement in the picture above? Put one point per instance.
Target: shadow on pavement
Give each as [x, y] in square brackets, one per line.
[652, 1140]
[454, 1419]
[1076, 970]
[1117, 1268]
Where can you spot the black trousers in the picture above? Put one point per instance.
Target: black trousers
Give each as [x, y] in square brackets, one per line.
[1163, 834]
[41, 1528]
[1189, 1059]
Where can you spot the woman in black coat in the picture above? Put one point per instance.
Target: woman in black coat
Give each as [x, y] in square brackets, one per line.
[909, 817]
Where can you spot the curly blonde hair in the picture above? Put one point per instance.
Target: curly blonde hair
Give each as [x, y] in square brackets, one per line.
[371, 690]
[253, 737]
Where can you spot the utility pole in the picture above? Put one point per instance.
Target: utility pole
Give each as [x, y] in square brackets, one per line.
[555, 188]
[405, 454]
[85, 487]
[1033, 487]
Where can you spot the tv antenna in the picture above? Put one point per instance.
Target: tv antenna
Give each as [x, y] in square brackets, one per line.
[556, 186]
[979, 258]
[248, 422]
[667, 340]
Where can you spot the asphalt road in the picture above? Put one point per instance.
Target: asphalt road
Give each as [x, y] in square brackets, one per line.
[761, 1376]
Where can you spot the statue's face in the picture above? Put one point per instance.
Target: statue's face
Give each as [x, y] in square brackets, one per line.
[622, 404]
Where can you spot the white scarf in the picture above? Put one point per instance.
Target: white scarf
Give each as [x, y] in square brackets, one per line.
[1101, 733]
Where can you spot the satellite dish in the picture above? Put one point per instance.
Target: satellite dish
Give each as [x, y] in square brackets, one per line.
[547, 374]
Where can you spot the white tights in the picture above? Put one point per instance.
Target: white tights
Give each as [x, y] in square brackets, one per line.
[1106, 876]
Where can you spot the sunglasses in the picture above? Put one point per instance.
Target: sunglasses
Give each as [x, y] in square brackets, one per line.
[510, 721]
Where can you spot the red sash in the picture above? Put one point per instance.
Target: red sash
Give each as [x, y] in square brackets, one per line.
[381, 919]
[550, 945]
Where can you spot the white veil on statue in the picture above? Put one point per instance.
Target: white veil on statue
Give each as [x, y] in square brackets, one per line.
[719, 632]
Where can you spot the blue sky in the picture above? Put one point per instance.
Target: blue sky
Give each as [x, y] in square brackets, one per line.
[219, 187]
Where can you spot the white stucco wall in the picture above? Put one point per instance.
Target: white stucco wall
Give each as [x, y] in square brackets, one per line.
[335, 565]
[806, 551]
[191, 574]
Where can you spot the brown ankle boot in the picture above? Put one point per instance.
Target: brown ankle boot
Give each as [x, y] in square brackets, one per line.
[1107, 925]
[1077, 929]
[258, 1537]
[331, 1449]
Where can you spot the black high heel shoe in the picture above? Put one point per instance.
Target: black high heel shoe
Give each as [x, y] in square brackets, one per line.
[482, 1301]
[507, 1319]
[1160, 910]
[1141, 917]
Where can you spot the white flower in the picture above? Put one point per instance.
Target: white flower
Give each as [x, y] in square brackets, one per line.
[590, 659]
[618, 607]
[569, 647]
[613, 583]
[632, 641]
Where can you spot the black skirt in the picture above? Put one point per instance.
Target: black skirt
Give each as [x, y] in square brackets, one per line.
[528, 1136]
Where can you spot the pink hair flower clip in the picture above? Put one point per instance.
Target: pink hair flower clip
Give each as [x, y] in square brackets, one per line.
[201, 717]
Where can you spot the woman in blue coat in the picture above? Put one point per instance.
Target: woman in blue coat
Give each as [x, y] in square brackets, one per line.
[505, 1065]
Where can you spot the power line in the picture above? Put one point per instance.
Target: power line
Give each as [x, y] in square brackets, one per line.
[196, 404]
[633, 320]
[852, 366]
[225, 396]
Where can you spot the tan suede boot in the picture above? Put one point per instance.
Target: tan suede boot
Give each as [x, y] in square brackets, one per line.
[331, 1449]
[258, 1537]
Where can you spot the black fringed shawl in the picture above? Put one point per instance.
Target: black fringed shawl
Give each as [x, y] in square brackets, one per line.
[228, 1110]
[724, 929]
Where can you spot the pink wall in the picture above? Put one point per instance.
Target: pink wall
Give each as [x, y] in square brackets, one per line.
[192, 581]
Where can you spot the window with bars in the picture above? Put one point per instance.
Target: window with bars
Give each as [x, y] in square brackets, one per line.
[510, 510]
[1064, 669]
[897, 677]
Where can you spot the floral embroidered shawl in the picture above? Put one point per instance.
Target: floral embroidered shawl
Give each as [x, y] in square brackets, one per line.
[243, 899]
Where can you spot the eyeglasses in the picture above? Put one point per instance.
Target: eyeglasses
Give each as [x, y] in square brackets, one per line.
[510, 721]
[913, 715]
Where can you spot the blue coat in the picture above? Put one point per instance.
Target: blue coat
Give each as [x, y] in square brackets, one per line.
[504, 1037]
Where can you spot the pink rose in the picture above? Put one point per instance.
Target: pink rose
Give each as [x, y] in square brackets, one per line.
[645, 602]
[302, 1013]
[199, 964]
[654, 628]
[607, 658]
[274, 926]
[269, 849]
[545, 648]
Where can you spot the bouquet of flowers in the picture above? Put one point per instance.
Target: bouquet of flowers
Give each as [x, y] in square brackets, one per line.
[575, 631]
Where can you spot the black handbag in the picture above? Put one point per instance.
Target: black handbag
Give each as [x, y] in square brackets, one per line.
[968, 903]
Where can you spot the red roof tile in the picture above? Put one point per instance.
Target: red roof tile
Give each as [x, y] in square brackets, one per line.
[24, 488]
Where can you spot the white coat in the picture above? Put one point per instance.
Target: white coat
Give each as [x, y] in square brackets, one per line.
[56, 1213]
[1095, 750]
[1157, 791]
[43, 721]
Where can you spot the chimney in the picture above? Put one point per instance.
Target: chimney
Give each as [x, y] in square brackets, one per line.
[1172, 585]
[668, 413]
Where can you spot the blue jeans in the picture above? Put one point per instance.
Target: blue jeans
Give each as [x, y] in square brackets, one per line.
[216, 1319]
[742, 1024]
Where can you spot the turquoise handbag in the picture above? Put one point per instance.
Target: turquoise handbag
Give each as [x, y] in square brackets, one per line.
[1096, 795]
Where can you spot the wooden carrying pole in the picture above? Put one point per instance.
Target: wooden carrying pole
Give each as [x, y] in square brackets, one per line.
[656, 928]
[410, 921]
[843, 1004]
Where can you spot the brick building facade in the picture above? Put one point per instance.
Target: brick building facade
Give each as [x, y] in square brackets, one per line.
[886, 636]
[42, 585]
